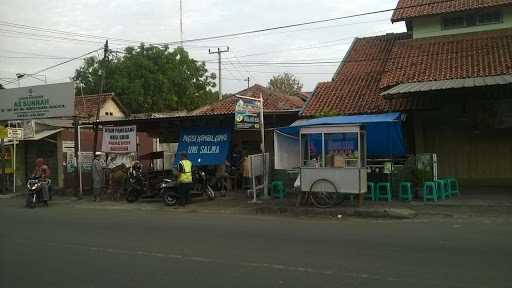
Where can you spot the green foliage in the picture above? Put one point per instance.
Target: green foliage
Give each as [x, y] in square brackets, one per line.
[150, 79]
[2, 86]
[286, 83]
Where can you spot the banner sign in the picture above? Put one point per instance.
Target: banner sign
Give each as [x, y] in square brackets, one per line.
[42, 101]
[204, 146]
[122, 139]
[247, 113]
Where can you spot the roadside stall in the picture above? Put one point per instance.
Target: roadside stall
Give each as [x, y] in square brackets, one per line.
[331, 152]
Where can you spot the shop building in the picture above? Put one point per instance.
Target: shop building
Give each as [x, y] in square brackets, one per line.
[450, 74]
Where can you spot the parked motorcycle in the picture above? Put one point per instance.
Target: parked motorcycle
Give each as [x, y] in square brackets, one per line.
[136, 185]
[168, 192]
[202, 184]
[34, 191]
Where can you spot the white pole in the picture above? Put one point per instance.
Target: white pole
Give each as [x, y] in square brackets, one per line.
[262, 125]
[14, 168]
[79, 167]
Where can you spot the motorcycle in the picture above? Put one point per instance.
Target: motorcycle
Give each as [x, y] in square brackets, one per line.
[34, 190]
[202, 185]
[168, 192]
[136, 187]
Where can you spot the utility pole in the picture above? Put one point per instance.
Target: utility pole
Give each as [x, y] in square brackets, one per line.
[181, 23]
[219, 53]
[98, 99]
[248, 80]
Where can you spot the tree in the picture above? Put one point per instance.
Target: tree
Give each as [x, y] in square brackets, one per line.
[150, 79]
[286, 83]
[2, 86]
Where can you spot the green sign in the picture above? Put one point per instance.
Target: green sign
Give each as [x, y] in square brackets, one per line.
[247, 113]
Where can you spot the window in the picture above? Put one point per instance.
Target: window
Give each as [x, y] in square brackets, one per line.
[341, 150]
[471, 19]
[312, 150]
[490, 17]
[106, 113]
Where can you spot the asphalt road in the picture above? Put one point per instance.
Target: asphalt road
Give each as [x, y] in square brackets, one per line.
[66, 247]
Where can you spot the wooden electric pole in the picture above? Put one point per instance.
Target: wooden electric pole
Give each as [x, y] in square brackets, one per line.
[103, 71]
[219, 53]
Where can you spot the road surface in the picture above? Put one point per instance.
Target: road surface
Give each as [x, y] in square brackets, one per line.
[77, 247]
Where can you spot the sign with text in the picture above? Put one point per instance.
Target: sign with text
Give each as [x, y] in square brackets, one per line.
[247, 113]
[204, 146]
[35, 102]
[122, 139]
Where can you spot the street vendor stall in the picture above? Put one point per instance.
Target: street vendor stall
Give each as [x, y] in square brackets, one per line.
[331, 152]
[333, 160]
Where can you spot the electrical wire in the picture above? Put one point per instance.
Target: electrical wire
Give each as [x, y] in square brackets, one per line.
[56, 65]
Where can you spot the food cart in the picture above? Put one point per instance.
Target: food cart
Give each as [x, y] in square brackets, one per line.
[333, 162]
[332, 153]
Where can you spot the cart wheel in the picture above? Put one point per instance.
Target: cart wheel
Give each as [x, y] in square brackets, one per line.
[323, 193]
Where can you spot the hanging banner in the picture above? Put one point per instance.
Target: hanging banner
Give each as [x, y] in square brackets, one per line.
[204, 146]
[121, 139]
[247, 113]
[34, 102]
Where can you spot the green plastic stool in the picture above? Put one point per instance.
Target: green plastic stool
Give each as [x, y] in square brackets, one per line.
[429, 194]
[453, 186]
[384, 191]
[405, 193]
[442, 188]
[371, 193]
[278, 190]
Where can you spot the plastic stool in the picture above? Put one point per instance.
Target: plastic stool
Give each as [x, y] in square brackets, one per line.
[453, 186]
[386, 194]
[405, 193]
[432, 194]
[442, 188]
[278, 190]
[371, 193]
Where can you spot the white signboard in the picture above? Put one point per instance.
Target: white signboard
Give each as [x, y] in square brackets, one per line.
[121, 139]
[43, 101]
[15, 133]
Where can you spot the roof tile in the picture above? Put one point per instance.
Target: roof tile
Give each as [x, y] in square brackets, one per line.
[407, 9]
[462, 56]
[272, 102]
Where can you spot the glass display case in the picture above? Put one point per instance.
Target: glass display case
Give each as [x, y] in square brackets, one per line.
[336, 154]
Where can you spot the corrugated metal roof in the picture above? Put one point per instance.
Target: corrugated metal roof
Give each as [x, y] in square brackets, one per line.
[447, 84]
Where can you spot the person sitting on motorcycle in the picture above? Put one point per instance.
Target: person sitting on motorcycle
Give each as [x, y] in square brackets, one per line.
[185, 182]
[42, 172]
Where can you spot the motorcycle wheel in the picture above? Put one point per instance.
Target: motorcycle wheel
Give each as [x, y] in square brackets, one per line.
[132, 196]
[210, 193]
[29, 202]
[169, 198]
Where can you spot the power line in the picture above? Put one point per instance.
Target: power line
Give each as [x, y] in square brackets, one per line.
[308, 22]
[56, 65]
[228, 35]
[55, 31]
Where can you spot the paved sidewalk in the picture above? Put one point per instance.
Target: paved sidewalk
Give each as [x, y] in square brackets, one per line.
[472, 204]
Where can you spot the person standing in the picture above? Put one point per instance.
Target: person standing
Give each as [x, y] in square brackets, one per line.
[98, 176]
[185, 182]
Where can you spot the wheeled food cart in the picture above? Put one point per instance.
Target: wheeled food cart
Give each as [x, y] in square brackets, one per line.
[333, 163]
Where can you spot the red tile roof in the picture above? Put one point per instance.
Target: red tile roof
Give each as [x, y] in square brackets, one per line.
[272, 102]
[85, 106]
[407, 9]
[449, 57]
[355, 88]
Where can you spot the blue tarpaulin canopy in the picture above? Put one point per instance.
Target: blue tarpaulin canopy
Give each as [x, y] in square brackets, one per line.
[384, 131]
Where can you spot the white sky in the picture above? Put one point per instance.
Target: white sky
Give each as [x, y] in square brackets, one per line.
[158, 21]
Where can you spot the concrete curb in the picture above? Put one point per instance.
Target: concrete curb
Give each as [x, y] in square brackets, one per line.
[388, 213]
[10, 196]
